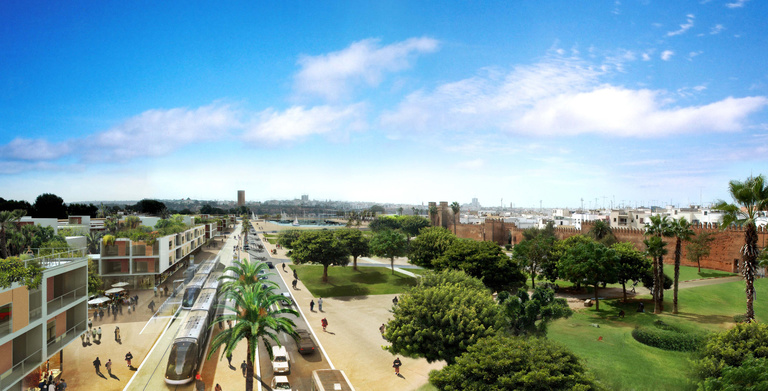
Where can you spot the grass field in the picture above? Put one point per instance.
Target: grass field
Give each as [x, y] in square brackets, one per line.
[622, 363]
[687, 273]
[344, 281]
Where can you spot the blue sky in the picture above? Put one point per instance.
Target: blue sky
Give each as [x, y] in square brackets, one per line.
[635, 102]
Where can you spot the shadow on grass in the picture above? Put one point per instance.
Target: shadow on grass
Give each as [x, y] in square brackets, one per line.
[369, 278]
[715, 274]
[710, 319]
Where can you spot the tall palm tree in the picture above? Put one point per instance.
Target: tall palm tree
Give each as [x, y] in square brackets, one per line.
[660, 226]
[7, 219]
[656, 248]
[455, 207]
[93, 238]
[681, 230]
[254, 314]
[600, 229]
[750, 197]
[433, 214]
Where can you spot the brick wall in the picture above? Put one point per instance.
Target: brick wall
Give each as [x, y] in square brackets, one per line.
[724, 250]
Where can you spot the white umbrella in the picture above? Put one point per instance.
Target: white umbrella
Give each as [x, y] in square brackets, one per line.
[114, 290]
[120, 284]
[98, 300]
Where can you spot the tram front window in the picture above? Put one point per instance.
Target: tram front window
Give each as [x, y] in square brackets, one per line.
[182, 361]
[190, 295]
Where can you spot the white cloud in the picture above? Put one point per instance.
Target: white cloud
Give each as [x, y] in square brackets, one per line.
[683, 27]
[159, 132]
[561, 97]
[736, 4]
[33, 149]
[297, 123]
[667, 55]
[691, 55]
[717, 29]
[334, 75]
[646, 57]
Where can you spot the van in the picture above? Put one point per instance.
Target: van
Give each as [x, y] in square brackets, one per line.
[280, 361]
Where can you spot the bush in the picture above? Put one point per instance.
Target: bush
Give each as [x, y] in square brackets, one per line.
[668, 337]
[731, 348]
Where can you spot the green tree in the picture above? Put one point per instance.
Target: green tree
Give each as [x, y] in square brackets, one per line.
[456, 208]
[14, 270]
[698, 247]
[7, 219]
[484, 260]
[383, 223]
[529, 315]
[49, 205]
[433, 214]
[429, 245]
[502, 363]
[257, 313]
[288, 237]
[440, 322]
[320, 247]
[533, 254]
[389, 244]
[94, 280]
[751, 375]
[82, 210]
[750, 197]
[681, 231]
[551, 273]
[356, 243]
[656, 249]
[412, 225]
[602, 233]
[633, 264]
[660, 226]
[451, 276]
[592, 263]
[731, 348]
[150, 207]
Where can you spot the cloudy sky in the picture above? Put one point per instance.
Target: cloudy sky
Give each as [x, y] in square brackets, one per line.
[635, 102]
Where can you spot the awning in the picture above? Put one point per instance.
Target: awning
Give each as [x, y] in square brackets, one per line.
[120, 284]
[99, 300]
[114, 290]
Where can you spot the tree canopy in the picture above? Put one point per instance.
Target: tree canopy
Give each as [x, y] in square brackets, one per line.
[320, 247]
[633, 264]
[49, 205]
[356, 243]
[440, 322]
[591, 263]
[287, 237]
[535, 254]
[429, 245]
[731, 348]
[529, 315]
[513, 363]
[484, 260]
[389, 244]
[150, 207]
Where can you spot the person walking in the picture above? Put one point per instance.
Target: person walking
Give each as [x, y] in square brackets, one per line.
[98, 333]
[117, 334]
[152, 306]
[320, 304]
[294, 284]
[312, 305]
[62, 385]
[243, 367]
[155, 289]
[396, 364]
[93, 334]
[97, 365]
[128, 358]
[283, 266]
[324, 322]
[382, 328]
[108, 365]
[199, 384]
[218, 387]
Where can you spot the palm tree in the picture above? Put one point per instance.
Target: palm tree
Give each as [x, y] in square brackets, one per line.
[255, 315]
[455, 207]
[132, 222]
[655, 247]
[681, 230]
[93, 238]
[7, 219]
[600, 229]
[660, 226]
[750, 197]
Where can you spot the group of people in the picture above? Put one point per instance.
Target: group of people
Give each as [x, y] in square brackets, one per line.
[108, 365]
[319, 305]
[49, 384]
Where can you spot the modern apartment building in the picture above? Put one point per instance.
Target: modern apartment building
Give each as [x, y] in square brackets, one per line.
[36, 325]
[145, 264]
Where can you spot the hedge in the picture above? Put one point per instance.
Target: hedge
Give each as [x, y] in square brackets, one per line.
[668, 337]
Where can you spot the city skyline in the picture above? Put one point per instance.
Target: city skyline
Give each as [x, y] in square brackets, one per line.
[542, 103]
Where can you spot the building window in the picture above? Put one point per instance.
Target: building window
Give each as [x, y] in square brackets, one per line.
[6, 318]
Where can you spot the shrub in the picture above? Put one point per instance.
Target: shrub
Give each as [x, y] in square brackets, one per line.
[668, 337]
[732, 348]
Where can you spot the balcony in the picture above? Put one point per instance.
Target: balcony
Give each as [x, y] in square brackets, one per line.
[65, 338]
[66, 299]
[18, 371]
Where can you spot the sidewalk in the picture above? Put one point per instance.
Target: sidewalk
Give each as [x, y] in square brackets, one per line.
[353, 342]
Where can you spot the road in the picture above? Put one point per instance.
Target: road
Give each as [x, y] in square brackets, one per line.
[301, 365]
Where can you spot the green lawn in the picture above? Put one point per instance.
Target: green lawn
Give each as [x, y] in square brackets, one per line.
[622, 363]
[688, 273]
[344, 281]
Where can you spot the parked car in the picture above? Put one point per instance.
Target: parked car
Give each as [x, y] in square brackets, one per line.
[280, 383]
[270, 264]
[280, 362]
[305, 344]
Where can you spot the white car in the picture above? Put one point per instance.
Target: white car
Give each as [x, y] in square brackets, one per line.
[280, 383]
[280, 361]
